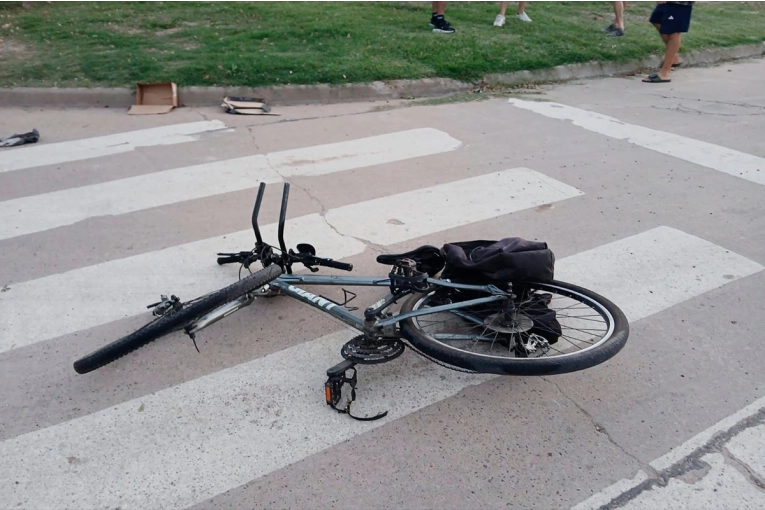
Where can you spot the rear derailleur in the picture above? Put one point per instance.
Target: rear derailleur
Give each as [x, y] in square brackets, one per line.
[532, 345]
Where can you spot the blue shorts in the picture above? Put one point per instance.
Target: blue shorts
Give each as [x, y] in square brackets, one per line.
[672, 18]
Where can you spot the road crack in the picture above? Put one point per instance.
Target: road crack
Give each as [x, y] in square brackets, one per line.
[255, 143]
[742, 468]
[728, 103]
[601, 429]
[686, 109]
[694, 462]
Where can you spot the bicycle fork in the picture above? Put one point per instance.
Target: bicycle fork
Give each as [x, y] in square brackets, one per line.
[224, 311]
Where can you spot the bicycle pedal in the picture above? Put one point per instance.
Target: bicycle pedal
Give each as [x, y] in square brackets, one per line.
[340, 368]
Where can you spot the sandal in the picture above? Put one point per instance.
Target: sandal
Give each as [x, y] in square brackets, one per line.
[655, 78]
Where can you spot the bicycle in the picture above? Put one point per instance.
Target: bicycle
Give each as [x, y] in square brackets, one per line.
[488, 328]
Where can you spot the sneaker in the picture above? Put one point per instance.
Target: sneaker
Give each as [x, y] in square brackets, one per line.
[499, 20]
[610, 28]
[523, 17]
[616, 32]
[439, 24]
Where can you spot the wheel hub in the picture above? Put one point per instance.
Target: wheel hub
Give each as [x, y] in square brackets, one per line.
[518, 323]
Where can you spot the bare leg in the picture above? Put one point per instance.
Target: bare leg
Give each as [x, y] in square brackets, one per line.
[439, 7]
[619, 14]
[665, 38]
[503, 7]
[521, 7]
[673, 46]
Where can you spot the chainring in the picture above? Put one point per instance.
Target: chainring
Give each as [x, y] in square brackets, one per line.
[364, 351]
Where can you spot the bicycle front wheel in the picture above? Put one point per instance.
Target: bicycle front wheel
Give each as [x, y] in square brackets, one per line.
[585, 330]
[173, 321]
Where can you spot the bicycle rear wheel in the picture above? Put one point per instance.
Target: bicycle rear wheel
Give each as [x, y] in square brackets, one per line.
[173, 321]
[588, 330]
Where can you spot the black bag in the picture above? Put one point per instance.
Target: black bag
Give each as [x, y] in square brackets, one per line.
[545, 322]
[509, 260]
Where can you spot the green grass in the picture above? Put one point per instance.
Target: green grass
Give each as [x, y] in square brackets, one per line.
[258, 44]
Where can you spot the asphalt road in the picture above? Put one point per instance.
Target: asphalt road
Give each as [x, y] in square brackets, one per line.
[651, 194]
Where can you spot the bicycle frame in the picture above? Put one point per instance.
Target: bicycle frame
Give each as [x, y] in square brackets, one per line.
[372, 323]
[285, 284]
[376, 323]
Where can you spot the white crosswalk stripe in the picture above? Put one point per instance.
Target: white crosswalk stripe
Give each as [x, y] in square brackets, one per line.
[75, 150]
[49, 210]
[223, 424]
[709, 155]
[448, 205]
[78, 302]
[670, 265]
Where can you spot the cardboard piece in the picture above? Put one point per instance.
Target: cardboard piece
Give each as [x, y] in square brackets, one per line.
[233, 103]
[246, 106]
[154, 98]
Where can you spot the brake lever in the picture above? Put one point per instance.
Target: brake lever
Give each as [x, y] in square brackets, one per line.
[249, 260]
[306, 263]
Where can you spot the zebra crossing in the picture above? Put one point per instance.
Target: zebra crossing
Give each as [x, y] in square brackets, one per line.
[730, 161]
[184, 444]
[106, 145]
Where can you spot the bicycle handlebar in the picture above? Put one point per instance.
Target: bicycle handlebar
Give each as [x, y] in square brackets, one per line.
[230, 258]
[308, 260]
[334, 264]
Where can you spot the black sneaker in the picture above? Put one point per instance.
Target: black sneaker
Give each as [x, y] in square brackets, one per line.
[610, 28]
[439, 24]
[617, 32]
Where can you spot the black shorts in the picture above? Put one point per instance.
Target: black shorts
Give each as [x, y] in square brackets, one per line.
[672, 18]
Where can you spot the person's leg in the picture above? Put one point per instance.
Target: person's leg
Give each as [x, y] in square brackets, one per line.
[670, 55]
[665, 39]
[437, 20]
[439, 8]
[500, 19]
[657, 16]
[522, 12]
[619, 14]
[675, 21]
[616, 29]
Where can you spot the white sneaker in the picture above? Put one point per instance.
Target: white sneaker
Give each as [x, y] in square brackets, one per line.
[523, 17]
[499, 20]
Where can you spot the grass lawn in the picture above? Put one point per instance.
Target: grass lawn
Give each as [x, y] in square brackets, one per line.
[87, 44]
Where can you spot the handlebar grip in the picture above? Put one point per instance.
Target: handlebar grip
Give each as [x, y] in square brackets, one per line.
[336, 265]
[230, 259]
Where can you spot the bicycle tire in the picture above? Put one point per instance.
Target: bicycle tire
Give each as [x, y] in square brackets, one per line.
[564, 363]
[174, 320]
